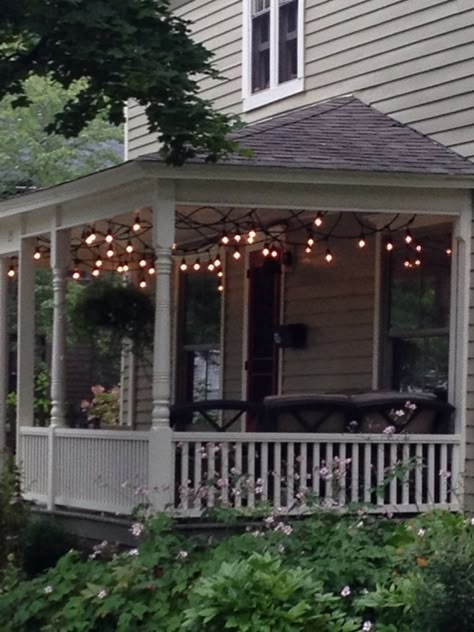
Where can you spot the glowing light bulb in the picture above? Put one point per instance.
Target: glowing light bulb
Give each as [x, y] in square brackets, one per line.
[418, 262]
[120, 268]
[220, 288]
[99, 263]
[362, 243]
[142, 263]
[408, 237]
[389, 245]
[220, 274]
[328, 256]
[318, 221]
[252, 234]
[449, 252]
[237, 238]
[95, 272]
[37, 254]
[210, 266]
[129, 247]
[125, 267]
[407, 263]
[136, 224]
[91, 237]
[151, 270]
[217, 262]
[418, 247]
[266, 250]
[197, 265]
[184, 266]
[308, 250]
[11, 272]
[143, 283]
[225, 239]
[236, 254]
[274, 253]
[76, 275]
[109, 237]
[310, 242]
[110, 253]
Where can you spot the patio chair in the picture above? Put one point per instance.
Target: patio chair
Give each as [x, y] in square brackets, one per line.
[307, 413]
[416, 413]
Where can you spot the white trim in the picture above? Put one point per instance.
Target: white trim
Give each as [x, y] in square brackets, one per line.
[377, 322]
[276, 91]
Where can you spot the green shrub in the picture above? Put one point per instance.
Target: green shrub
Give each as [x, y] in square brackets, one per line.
[45, 542]
[13, 513]
[261, 595]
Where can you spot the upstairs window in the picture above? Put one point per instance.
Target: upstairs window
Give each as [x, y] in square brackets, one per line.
[273, 50]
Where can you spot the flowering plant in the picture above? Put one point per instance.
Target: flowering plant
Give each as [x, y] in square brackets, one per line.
[400, 417]
[104, 407]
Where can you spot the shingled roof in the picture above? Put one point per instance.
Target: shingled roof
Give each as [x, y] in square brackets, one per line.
[343, 134]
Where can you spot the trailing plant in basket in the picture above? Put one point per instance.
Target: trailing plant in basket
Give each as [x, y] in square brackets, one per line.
[123, 313]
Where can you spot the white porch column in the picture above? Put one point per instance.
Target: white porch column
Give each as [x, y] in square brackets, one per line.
[4, 353]
[26, 340]
[60, 249]
[161, 456]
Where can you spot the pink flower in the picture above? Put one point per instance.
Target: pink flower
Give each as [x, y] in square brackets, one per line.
[97, 389]
[85, 405]
[389, 430]
[346, 591]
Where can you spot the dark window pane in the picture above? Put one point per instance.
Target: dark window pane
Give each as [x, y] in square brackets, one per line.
[261, 52]
[202, 310]
[288, 42]
[421, 364]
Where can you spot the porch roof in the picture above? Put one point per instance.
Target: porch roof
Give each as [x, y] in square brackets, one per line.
[342, 134]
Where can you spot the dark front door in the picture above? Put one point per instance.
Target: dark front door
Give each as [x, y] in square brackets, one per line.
[264, 276]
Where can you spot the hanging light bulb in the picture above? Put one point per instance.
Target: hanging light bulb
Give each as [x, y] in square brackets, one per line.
[389, 245]
[110, 252]
[151, 270]
[129, 247]
[251, 236]
[418, 247]
[274, 253]
[197, 265]
[184, 266]
[217, 262]
[220, 274]
[236, 254]
[143, 283]
[120, 268]
[220, 288]
[142, 263]
[225, 239]
[308, 250]
[125, 267]
[449, 252]
[408, 237]
[310, 241]
[266, 250]
[407, 263]
[91, 237]
[11, 272]
[328, 256]
[136, 224]
[109, 237]
[318, 221]
[99, 263]
[362, 242]
[210, 266]
[76, 275]
[37, 254]
[417, 262]
[237, 237]
[95, 272]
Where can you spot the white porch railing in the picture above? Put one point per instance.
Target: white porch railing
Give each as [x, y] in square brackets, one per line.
[100, 470]
[110, 471]
[396, 473]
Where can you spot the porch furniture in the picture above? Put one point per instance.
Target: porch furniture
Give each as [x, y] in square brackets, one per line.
[308, 413]
[214, 414]
[403, 412]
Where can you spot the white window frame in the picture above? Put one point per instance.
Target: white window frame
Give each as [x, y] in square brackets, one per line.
[276, 91]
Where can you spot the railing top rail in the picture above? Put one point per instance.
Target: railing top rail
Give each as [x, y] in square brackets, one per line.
[294, 437]
[129, 435]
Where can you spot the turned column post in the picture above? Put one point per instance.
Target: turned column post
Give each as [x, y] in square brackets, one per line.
[4, 353]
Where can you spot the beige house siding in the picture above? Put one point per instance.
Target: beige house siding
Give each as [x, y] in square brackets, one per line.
[469, 433]
[412, 60]
[233, 329]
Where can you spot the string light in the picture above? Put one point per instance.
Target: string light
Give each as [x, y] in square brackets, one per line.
[120, 268]
[217, 262]
[143, 282]
[266, 250]
[418, 262]
[136, 224]
[318, 220]
[274, 252]
[236, 254]
[362, 242]
[408, 237]
[237, 237]
[95, 272]
[142, 263]
[99, 263]
[220, 274]
[449, 252]
[418, 247]
[310, 241]
[252, 235]
[129, 247]
[91, 237]
[407, 263]
[151, 270]
[328, 256]
[37, 254]
[184, 266]
[210, 266]
[225, 239]
[308, 250]
[109, 237]
[389, 245]
[11, 272]
[125, 267]
[110, 252]
[197, 265]
[76, 275]
[220, 288]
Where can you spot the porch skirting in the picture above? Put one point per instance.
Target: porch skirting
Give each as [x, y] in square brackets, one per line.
[115, 471]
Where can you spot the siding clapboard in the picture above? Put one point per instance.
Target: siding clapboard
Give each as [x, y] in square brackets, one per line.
[411, 60]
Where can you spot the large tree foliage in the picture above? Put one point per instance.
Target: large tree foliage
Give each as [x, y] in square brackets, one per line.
[117, 50]
[31, 158]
